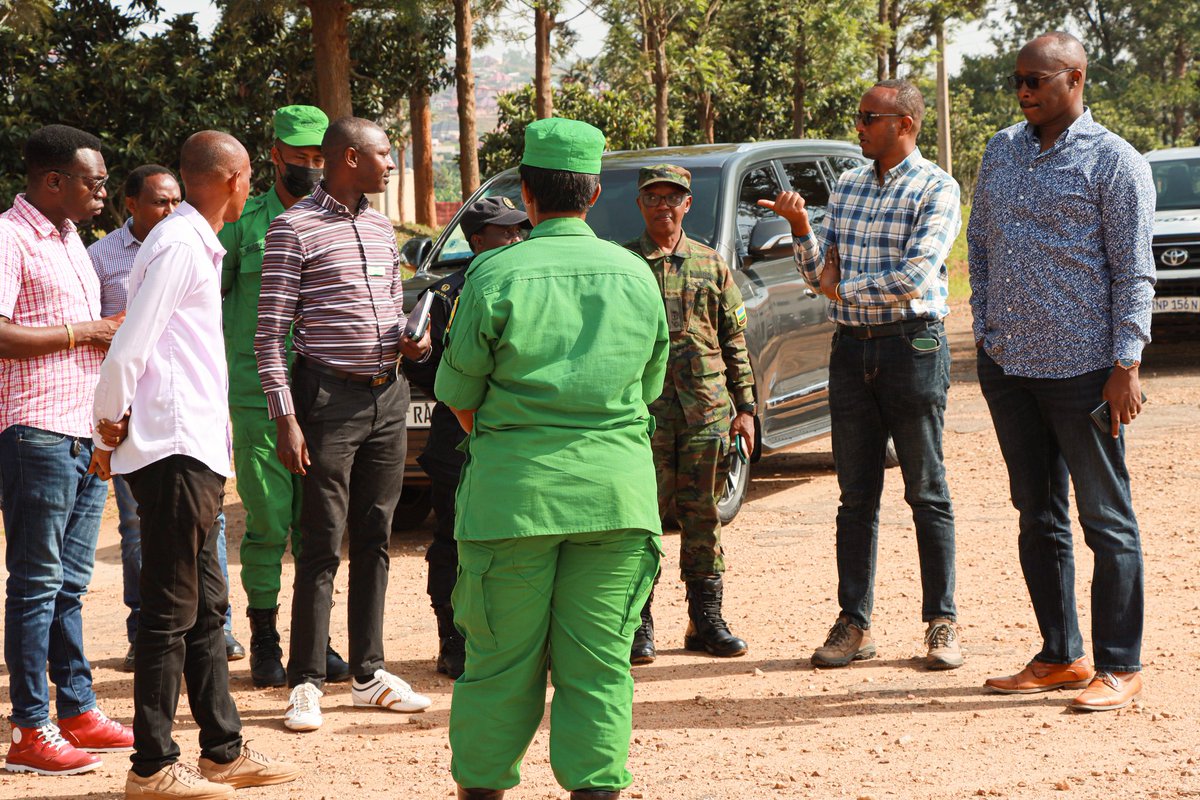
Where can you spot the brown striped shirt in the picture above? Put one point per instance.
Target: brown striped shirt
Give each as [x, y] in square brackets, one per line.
[335, 275]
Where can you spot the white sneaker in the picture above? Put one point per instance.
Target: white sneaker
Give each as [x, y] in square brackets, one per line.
[388, 691]
[304, 708]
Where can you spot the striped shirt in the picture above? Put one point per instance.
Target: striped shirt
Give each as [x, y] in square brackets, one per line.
[892, 239]
[47, 280]
[335, 274]
[113, 258]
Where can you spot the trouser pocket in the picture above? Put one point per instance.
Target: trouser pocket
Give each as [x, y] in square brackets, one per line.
[470, 606]
[641, 585]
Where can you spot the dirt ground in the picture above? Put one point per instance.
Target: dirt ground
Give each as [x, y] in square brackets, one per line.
[770, 725]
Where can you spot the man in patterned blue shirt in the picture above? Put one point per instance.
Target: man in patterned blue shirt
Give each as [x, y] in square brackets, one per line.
[880, 257]
[1062, 284]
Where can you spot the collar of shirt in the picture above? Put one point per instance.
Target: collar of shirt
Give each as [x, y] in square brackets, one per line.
[562, 226]
[211, 243]
[1083, 126]
[327, 201]
[38, 221]
[125, 233]
[903, 168]
[651, 250]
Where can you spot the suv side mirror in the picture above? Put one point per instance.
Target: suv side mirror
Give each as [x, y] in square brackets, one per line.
[771, 238]
[416, 250]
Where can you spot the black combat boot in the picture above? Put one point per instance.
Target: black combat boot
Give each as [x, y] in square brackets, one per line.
[266, 657]
[595, 794]
[336, 668]
[480, 794]
[452, 647]
[643, 651]
[706, 629]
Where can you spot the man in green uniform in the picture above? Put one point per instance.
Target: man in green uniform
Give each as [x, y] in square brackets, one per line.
[557, 345]
[270, 494]
[694, 430]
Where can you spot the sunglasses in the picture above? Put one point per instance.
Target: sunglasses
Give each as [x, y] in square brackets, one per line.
[865, 118]
[94, 185]
[1014, 81]
[673, 200]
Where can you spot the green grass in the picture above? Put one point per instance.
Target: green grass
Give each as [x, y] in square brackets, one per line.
[956, 263]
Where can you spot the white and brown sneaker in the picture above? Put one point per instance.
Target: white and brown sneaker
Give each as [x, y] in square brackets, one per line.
[174, 781]
[846, 642]
[941, 639]
[250, 768]
[385, 690]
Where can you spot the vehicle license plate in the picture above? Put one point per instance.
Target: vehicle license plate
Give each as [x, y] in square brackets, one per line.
[1175, 305]
[419, 413]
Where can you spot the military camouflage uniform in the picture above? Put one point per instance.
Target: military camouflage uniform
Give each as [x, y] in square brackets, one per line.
[708, 375]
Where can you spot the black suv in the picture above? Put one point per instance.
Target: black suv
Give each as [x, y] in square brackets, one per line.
[788, 329]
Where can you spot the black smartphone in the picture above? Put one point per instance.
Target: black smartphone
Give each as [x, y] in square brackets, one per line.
[1103, 418]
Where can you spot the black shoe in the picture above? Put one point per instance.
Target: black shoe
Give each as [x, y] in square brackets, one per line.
[233, 648]
[480, 794]
[336, 668]
[127, 664]
[266, 657]
[595, 794]
[707, 631]
[643, 651]
[452, 647]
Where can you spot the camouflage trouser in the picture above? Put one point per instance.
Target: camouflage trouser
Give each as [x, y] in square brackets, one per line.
[691, 465]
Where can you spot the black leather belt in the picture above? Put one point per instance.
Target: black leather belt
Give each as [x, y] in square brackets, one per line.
[374, 381]
[864, 332]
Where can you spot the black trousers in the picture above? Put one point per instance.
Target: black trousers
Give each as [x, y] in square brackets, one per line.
[356, 441]
[442, 555]
[180, 629]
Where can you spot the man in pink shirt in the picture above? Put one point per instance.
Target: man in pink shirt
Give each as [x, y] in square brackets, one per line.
[52, 340]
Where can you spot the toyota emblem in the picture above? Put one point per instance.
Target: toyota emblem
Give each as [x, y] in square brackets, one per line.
[1175, 257]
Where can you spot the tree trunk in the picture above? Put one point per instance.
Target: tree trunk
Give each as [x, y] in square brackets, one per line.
[799, 84]
[464, 79]
[943, 101]
[662, 75]
[422, 145]
[1179, 73]
[706, 117]
[401, 147]
[881, 52]
[331, 55]
[893, 39]
[543, 24]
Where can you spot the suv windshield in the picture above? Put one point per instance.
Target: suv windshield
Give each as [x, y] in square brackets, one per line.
[615, 216]
[1177, 184]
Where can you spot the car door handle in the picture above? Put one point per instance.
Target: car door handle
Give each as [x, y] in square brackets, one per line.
[809, 292]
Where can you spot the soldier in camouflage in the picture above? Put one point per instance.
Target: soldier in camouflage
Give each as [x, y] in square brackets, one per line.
[708, 380]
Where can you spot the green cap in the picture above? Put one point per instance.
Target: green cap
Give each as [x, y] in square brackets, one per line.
[565, 144]
[665, 173]
[300, 126]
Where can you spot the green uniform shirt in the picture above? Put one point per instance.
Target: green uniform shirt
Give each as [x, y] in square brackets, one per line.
[241, 280]
[559, 343]
[709, 361]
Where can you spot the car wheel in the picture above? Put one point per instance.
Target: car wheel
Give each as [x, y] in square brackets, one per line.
[412, 509]
[733, 494]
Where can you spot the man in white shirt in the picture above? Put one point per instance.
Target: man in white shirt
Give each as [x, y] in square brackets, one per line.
[168, 372]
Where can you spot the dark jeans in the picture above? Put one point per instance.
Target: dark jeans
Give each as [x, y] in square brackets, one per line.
[1049, 441]
[442, 555]
[356, 439]
[52, 511]
[184, 597]
[877, 388]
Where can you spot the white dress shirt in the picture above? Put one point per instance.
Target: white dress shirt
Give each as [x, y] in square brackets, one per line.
[166, 365]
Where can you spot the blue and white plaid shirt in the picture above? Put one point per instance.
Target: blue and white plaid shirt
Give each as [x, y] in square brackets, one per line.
[112, 256]
[892, 239]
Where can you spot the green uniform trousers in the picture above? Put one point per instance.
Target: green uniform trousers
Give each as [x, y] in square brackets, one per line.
[271, 497]
[691, 465]
[574, 599]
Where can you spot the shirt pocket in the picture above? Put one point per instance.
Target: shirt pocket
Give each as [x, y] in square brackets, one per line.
[250, 256]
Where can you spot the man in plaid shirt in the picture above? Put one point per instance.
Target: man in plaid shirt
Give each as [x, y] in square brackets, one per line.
[880, 258]
[52, 340]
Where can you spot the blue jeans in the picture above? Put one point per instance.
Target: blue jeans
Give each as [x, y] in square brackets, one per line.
[880, 388]
[130, 529]
[52, 510]
[1049, 441]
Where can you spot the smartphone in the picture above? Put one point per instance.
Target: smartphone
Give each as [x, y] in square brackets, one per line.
[418, 319]
[1103, 418]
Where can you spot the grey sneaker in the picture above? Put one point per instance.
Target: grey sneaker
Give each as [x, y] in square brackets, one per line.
[941, 637]
[846, 642]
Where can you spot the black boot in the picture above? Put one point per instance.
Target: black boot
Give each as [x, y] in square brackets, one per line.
[643, 651]
[266, 658]
[480, 794]
[336, 668]
[595, 794]
[452, 647]
[706, 630]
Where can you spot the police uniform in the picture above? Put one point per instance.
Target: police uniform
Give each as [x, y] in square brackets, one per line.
[708, 376]
[558, 343]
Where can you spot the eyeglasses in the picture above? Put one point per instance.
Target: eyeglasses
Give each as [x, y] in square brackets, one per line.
[673, 200]
[94, 185]
[865, 118]
[1014, 81]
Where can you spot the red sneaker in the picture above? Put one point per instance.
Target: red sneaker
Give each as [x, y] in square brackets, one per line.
[93, 732]
[44, 751]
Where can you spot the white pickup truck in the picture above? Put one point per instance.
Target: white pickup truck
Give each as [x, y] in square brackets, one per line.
[1177, 231]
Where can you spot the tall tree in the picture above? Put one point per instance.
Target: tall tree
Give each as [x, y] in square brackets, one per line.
[331, 46]
[422, 148]
[543, 26]
[464, 80]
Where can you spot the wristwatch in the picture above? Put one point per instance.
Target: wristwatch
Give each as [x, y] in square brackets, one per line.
[1127, 363]
[748, 408]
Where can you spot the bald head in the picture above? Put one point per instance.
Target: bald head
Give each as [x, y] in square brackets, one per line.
[211, 156]
[1058, 49]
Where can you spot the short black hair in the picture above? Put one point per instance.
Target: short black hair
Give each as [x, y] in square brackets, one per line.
[557, 190]
[55, 146]
[346, 132]
[137, 178]
[909, 100]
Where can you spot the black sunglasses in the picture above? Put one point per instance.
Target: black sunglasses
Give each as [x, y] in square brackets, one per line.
[93, 185]
[1014, 81]
[867, 117]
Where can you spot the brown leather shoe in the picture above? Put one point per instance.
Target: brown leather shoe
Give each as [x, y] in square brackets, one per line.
[250, 768]
[1038, 676]
[1109, 691]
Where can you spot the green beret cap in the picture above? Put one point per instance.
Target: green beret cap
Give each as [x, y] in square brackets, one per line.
[665, 173]
[300, 126]
[564, 144]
